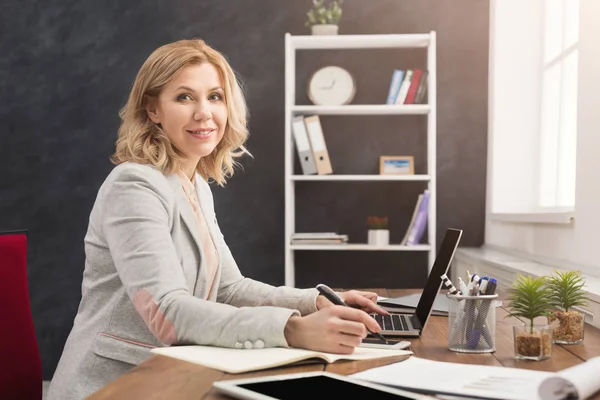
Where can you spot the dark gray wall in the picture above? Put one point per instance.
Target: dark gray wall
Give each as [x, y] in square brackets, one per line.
[66, 69]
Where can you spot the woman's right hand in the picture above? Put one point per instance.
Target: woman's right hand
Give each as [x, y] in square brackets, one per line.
[335, 329]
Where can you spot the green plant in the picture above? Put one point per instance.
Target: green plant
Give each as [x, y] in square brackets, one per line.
[529, 298]
[566, 289]
[321, 14]
[377, 222]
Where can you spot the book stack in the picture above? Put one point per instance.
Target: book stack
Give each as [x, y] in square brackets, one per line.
[319, 238]
[407, 86]
[418, 222]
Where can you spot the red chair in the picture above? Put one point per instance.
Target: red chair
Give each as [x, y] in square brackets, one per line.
[21, 366]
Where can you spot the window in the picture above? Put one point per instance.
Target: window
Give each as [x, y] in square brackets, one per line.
[533, 108]
[558, 116]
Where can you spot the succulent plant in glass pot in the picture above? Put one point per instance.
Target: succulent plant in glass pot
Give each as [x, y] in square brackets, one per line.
[529, 298]
[566, 292]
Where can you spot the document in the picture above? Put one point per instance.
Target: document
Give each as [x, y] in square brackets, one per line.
[488, 382]
[237, 361]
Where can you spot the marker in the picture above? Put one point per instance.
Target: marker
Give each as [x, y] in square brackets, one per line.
[483, 284]
[491, 286]
[451, 289]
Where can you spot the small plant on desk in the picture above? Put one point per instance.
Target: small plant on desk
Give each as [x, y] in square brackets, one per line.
[566, 291]
[379, 235]
[529, 298]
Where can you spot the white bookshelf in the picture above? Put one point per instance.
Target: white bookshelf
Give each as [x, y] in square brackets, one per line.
[362, 247]
[363, 109]
[294, 43]
[360, 177]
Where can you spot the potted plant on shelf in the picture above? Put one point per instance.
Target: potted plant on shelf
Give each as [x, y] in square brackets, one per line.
[323, 19]
[529, 298]
[379, 235]
[566, 291]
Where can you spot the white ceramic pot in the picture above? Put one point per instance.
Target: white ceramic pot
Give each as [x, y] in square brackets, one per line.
[379, 237]
[328, 29]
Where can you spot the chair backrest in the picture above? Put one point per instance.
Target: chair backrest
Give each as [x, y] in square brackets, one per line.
[20, 366]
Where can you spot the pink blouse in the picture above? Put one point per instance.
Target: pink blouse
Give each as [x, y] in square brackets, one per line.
[208, 246]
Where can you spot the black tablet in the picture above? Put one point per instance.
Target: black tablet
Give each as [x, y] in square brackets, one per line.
[311, 385]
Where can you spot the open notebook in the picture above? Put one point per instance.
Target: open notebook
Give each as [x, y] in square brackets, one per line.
[488, 382]
[237, 361]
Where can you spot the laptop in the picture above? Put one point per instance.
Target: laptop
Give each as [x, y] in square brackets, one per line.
[412, 324]
[408, 304]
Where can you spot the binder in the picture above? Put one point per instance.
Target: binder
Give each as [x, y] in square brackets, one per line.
[305, 154]
[317, 142]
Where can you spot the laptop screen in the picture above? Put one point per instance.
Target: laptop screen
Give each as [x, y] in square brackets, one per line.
[440, 267]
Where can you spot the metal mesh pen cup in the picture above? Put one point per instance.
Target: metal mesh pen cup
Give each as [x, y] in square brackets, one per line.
[472, 323]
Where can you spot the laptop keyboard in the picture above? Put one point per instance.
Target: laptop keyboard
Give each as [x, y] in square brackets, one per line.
[393, 322]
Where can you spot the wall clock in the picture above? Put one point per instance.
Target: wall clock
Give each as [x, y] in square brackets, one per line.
[331, 86]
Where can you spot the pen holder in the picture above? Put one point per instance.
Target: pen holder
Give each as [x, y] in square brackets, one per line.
[472, 323]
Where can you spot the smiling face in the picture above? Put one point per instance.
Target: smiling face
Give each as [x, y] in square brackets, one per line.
[192, 112]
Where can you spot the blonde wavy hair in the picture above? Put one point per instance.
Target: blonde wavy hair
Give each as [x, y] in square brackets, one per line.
[141, 141]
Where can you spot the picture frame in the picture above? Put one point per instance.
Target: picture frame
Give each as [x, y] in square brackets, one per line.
[396, 165]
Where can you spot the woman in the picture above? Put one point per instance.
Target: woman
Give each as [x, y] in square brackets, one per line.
[158, 271]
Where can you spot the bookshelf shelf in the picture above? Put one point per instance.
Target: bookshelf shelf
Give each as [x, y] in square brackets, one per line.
[360, 178]
[360, 247]
[293, 43]
[364, 109]
[305, 42]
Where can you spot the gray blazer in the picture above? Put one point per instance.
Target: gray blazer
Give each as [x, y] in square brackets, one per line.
[144, 285]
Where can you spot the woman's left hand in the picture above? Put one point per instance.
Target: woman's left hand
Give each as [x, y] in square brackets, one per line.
[366, 301]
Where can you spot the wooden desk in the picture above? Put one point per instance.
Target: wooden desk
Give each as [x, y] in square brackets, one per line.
[163, 377]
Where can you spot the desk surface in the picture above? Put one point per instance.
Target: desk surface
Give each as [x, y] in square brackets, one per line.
[163, 377]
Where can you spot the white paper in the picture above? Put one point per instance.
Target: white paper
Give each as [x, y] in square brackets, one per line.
[459, 379]
[585, 377]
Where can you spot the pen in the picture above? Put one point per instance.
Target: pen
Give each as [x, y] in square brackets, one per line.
[479, 323]
[463, 287]
[471, 304]
[470, 289]
[337, 300]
